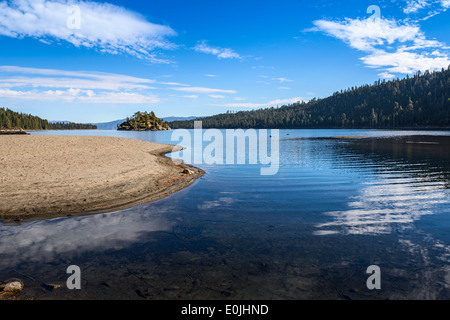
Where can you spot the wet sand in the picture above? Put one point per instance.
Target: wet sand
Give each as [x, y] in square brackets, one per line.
[56, 176]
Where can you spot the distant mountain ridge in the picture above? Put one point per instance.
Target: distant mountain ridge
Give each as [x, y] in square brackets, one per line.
[112, 125]
[170, 119]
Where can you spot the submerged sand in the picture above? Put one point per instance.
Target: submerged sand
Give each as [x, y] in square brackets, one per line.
[54, 176]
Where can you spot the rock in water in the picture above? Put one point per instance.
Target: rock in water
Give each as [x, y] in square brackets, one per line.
[188, 171]
[53, 286]
[14, 286]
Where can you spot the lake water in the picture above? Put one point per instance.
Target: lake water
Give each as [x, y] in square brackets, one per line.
[334, 208]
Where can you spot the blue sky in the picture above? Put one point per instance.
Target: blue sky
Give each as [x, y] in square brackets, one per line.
[88, 61]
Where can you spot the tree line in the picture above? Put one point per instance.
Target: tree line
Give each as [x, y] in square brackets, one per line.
[422, 100]
[14, 120]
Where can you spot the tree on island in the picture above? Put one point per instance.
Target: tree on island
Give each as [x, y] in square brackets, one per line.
[143, 121]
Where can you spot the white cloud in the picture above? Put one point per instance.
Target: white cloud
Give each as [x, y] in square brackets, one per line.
[277, 102]
[52, 78]
[436, 6]
[211, 75]
[366, 35]
[415, 5]
[282, 80]
[405, 62]
[175, 84]
[111, 84]
[203, 90]
[386, 75]
[120, 97]
[221, 53]
[392, 46]
[81, 74]
[104, 27]
[263, 67]
[73, 86]
[22, 83]
[78, 95]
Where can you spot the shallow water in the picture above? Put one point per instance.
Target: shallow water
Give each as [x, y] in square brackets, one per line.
[334, 208]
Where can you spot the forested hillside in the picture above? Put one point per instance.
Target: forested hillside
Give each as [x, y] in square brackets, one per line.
[10, 119]
[422, 100]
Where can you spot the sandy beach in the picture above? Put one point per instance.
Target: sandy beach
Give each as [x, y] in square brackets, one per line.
[55, 176]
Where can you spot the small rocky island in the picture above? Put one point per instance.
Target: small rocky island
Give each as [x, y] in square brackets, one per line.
[143, 121]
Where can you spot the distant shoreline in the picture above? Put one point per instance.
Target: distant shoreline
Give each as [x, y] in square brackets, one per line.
[245, 128]
[43, 177]
[39, 130]
[327, 128]
[12, 132]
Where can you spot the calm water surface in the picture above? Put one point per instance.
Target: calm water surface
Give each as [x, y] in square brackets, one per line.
[310, 232]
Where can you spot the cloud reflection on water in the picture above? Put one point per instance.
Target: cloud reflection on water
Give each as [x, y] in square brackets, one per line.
[47, 239]
[385, 204]
[409, 179]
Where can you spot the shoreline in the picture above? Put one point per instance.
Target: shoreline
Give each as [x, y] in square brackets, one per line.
[12, 131]
[39, 191]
